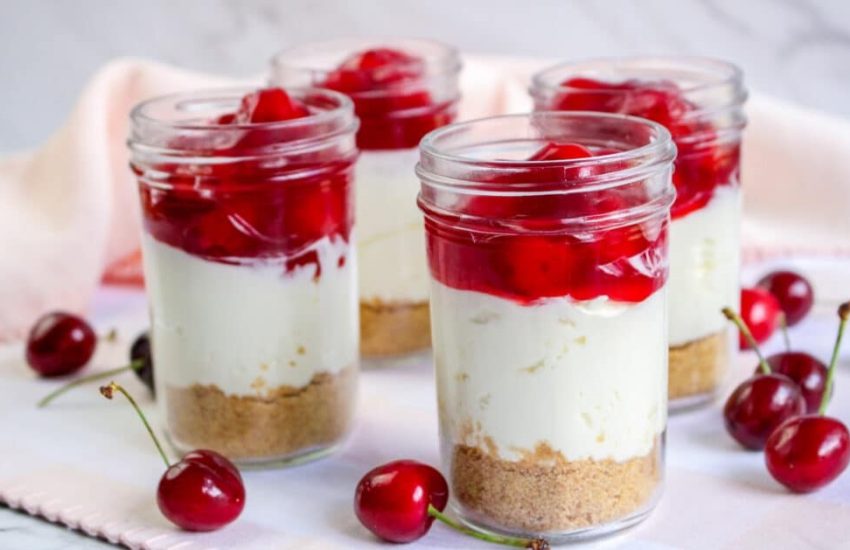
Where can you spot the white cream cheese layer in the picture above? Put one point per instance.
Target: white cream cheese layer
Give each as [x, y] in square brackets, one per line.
[390, 230]
[251, 328]
[588, 379]
[704, 262]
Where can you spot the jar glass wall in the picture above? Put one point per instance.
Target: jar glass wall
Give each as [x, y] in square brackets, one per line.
[547, 247]
[401, 90]
[700, 101]
[249, 271]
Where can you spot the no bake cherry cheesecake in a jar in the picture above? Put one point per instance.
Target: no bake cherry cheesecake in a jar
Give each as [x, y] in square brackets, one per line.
[249, 268]
[401, 90]
[547, 245]
[700, 102]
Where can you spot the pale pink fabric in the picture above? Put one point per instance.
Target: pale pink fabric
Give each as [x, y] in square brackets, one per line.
[69, 218]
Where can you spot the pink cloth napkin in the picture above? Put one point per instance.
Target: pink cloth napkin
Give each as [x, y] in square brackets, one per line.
[69, 216]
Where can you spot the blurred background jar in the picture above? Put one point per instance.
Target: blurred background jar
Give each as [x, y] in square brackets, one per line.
[401, 90]
[700, 101]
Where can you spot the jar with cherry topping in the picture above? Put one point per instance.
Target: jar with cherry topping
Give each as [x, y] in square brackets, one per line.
[547, 246]
[401, 90]
[700, 101]
[249, 268]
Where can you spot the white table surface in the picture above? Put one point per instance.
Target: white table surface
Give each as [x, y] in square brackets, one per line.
[717, 495]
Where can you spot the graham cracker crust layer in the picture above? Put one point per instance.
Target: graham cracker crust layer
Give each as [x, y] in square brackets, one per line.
[285, 422]
[545, 493]
[393, 328]
[696, 367]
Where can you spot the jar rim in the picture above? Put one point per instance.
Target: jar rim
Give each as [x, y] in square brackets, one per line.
[662, 143]
[718, 71]
[183, 102]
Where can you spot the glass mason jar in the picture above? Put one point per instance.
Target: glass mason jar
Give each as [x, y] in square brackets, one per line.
[548, 312]
[701, 102]
[250, 274]
[401, 90]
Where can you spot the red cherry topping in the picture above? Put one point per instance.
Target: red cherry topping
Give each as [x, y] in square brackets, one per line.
[392, 500]
[267, 105]
[807, 452]
[762, 402]
[793, 291]
[400, 500]
[561, 151]
[201, 492]
[623, 263]
[807, 371]
[700, 168]
[760, 311]
[60, 343]
[235, 210]
[391, 97]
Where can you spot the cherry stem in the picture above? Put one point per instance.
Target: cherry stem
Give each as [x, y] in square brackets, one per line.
[534, 544]
[135, 365]
[783, 325]
[748, 336]
[843, 314]
[108, 392]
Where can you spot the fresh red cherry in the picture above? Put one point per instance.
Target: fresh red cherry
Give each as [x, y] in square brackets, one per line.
[201, 492]
[793, 291]
[561, 151]
[268, 105]
[60, 343]
[393, 500]
[760, 311]
[762, 402]
[400, 500]
[807, 452]
[807, 371]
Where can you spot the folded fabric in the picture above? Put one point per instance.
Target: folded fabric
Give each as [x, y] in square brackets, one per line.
[69, 215]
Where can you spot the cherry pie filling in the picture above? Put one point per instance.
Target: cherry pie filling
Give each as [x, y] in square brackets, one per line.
[391, 98]
[499, 244]
[703, 163]
[248, 206]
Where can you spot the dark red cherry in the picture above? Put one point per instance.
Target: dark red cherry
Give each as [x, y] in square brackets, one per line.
[60, 343]
[760, 404]
[201, 492]
[392, 500]
[807, 452]
[807, 371]
[793, 291]
[760, 311]
[141, 359]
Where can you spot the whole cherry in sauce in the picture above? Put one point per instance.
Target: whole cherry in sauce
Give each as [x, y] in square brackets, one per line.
[761, 313]
[793, 292]
[807, 452]
[399, 501]
[141, 363]
[203, 491]
[760, 403]
[60, 343]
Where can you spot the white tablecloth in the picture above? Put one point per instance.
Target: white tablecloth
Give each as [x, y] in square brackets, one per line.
[89, 464]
